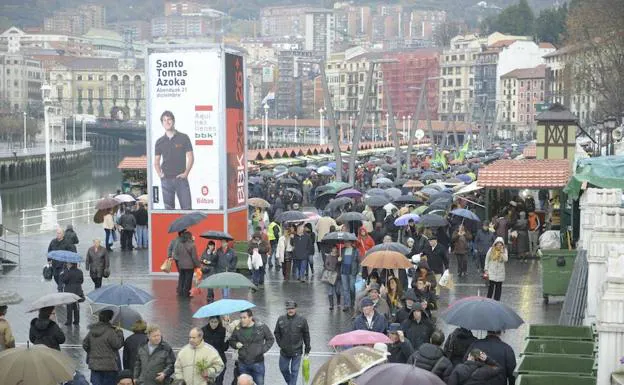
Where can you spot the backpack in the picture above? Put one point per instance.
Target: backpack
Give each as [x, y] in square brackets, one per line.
[48, 272]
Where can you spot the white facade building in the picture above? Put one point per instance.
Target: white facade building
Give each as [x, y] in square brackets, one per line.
[320, 32]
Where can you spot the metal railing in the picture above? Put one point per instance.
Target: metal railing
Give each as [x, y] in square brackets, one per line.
[39, 148]
[573, 311]
[10, 250]
[67, 213]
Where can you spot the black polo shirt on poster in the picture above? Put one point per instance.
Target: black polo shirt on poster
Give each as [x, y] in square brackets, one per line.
[173, 152]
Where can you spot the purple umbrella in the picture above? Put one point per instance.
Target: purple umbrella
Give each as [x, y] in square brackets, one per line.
[351, 193]
[464, 178]
[404, 219]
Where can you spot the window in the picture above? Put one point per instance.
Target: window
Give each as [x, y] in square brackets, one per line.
[462, 57]
[101, 93]
[458, 82]
[471, 81]
[8, 71]
[79, 77]
[454, 58]
[361, 77]
[100, 77]
[90, 77]
[90, 94]
[457, 70]
[522, 83]
[79, 93]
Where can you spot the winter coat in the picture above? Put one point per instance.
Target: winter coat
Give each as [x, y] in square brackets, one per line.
[381, 306]
[216, 339]
[363, 244]
[460, 244]
[188, 357]
[500, 352]
[226, 261]
[417, 332]
[291, 334]
[127, 221]
[301, 246]
[97, 261]
[131, 349]
[432, 359]
[355, 262]
[331, 262]
[284, 249]
[7, 341]
[186, 253]
[323, 225]
[147, 366]
[44, 331]
[255, 344]
[483, 241]
[438, 259]
[140, 217]
[108, 223]
[262, 246]
[477, 373]
[496, 269]
[101, 345]
[71, 236]
[501, 226]
[400, 352]
[379, 323]
[522, 227]
[72, 280]
[457, 344]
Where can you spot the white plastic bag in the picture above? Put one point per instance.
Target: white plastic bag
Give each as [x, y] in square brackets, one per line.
[445, 278]
[550, 240]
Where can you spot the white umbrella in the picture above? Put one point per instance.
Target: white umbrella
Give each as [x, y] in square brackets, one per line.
[143, 198]
[389, 208]
[125, 198]
[53, 299]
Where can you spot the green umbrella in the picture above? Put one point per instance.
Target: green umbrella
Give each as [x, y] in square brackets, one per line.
[226, 280]
[35, 364]
[338, 186]
[420, 209]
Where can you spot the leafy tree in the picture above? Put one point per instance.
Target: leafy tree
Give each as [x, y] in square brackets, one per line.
[550, 25]
[517, 19]
[445, 32]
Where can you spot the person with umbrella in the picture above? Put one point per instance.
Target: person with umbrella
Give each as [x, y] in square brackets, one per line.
[430, 357]
[108, 224]
[390, 227]
[484, 239]
[332, 265]
[500, 352]
[208, 262]
[302, 244]
[141, 220]
[72, 280]
[154, 360]
[284, 252]
[127, 225]
[457, 345]
[186, 254]
[59, 243]
[7, 341]
[401, 348]
[215, 336]
[461, 238]
[292, 335]
[274, 232]
[102, 344]
[97, 263]
[363, 244]
[349, 268]
[198, 362]
[260, 246]
[44, 331]
[495, 261]
[226, 262]
[479, 368]
[133, 343]
[437, 259]
[370, 319]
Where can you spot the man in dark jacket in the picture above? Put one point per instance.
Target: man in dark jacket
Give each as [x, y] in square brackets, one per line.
[59, 243]
[457, 345]
[252, 340]
[291, 334]
[408, 302]
[401, 348]
[479, 369]
[437, 259]
[155, 360]
[128, 224]
[44, 331]
[72, 280]
[264, 248]
[483, 240]
[101, 345]
[500, 352]
[379, 233]
[431, 358]
[301, 243]
[417, 328]
[370, 319]
[140, 216]
[133, 343]
[391, 228]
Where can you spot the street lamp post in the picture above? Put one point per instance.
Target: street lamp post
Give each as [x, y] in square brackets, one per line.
[48, 214]
[25, 144]
[409, 125]
[373, 128]
[321, 126]
[74, 131]
[610, 124]
[349, 134]
[599, 140]
[387, 127]
[296, 129]
[404, 130]
[266, 126]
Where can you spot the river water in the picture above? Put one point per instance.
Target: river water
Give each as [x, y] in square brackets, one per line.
[91, 182]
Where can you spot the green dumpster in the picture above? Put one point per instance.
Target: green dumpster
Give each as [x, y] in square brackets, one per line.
[585, 349]
[556, 365]
[532, 379]
[240, 250]
[557, 268]
[560, 332]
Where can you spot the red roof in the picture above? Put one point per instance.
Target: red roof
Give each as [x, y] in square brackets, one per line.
[133, 163]
[503, 43]
[526, 173]
[530, 151]
[547, 45]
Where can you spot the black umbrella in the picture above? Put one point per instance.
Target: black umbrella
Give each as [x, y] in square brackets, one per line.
[338, 236]
[390, 246]
[338, 202]
[441, 203]
[295, 191]
[440, 195]
[406, 200]
[218, 235]
[376, 191]
[479, 313]
[351, 217]
[299, 170]
[400, 182]
[413, 171]
[322, 189]
[289, 181]
[376, 201]
[292, 216]
[461, 169]
[266, 173]
[186, 221]
[321, 200]
[432, 220]
[398, 374]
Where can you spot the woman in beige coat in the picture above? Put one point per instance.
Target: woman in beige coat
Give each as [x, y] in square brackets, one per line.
[495, 260]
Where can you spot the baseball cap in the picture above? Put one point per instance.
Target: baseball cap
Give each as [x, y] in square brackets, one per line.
[394, 327]
[290, 304]
[367, 302]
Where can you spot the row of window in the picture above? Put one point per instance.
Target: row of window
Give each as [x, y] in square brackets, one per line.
[455, 70]
[460, 57]
[114, 78]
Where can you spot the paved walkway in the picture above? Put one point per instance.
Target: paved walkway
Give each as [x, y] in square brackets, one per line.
[522, 291]
[39, 149]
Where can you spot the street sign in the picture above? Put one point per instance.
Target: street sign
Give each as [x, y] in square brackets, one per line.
[541, 107]
[419, 134]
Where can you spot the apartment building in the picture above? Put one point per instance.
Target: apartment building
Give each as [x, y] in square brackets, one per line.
[320, 32]
[16, 40]
[524, 91]
[182, 7]
[76, 21]
[20, 83]
[293, 67]
[283, 21]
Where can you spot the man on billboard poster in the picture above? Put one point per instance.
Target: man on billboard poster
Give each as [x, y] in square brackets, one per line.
[173, 161]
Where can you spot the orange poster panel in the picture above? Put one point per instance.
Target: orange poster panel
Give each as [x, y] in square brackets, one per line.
[159, 226]
[237, 225]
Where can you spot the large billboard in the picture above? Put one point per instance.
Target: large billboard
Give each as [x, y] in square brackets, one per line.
[185, 91]
[235, 128]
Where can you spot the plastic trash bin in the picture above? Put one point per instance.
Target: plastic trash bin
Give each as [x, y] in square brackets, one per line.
[560, 332]
[585, 349]
[240, 251]
[532, 379]
[556, 365]
[557, 268]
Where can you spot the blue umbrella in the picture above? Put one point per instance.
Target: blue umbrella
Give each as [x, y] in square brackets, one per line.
[65, 256]
[332, 165]
[121, 294]
[222, 307]
[324, 170]
[466, 214]
[464, 178]
[404, 219]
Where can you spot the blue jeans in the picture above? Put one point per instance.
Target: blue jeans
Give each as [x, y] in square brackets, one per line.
[141, 236]
[103, 378]
[254, 370]
[256, 275]
[300, 268]
[176, 186]
[289, 366]
[348, 286]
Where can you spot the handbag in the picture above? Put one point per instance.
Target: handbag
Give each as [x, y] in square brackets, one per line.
[106, 273]
[329, 276]
[166, 266]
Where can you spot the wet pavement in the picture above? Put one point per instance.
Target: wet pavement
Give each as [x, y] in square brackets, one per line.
[522, 291]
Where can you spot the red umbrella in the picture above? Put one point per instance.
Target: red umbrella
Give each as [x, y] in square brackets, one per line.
[359, 337]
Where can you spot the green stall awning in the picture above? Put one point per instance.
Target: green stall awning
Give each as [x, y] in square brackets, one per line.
[602, 172]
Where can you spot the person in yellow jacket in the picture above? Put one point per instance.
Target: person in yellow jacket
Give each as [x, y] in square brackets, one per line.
[274, 232]
[198, 362]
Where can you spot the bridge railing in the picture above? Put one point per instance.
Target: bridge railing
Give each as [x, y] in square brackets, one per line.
[39, 148]
[10, 250]
[66, 214]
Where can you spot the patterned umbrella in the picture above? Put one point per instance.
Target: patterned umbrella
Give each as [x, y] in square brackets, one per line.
[258, 202]
[413, 184]
[35, 364]
[347, 365]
